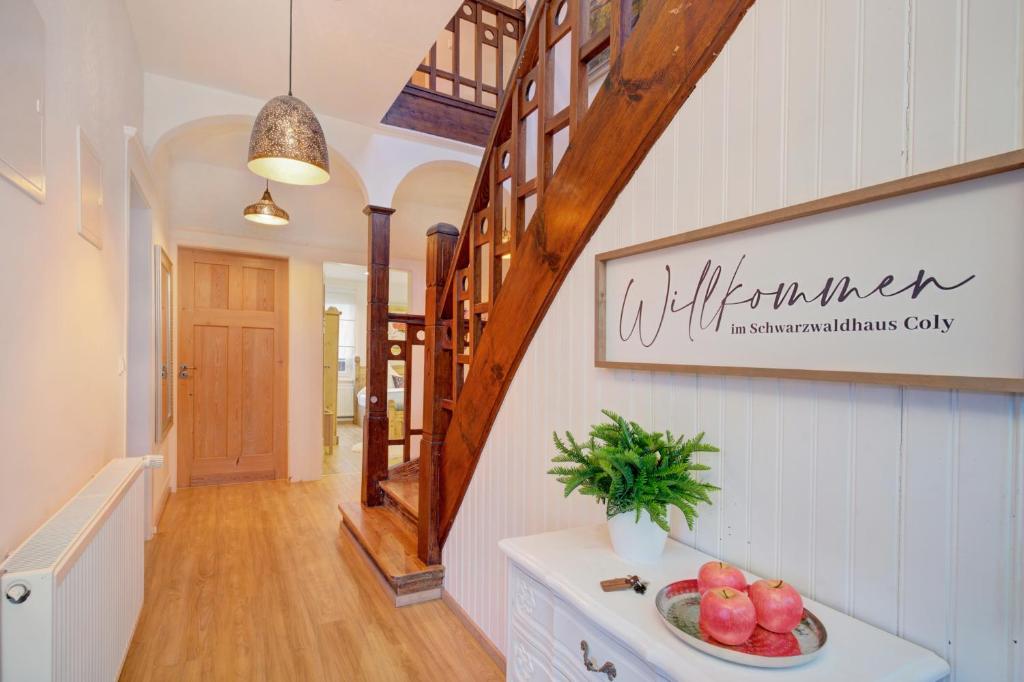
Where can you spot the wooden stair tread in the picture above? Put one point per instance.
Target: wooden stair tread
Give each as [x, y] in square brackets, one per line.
[410, 469]
[405, 494]
[389, 538]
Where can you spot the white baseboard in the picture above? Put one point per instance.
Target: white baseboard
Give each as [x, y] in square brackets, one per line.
[478, 634]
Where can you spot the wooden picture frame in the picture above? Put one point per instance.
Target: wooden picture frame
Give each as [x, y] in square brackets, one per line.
[163, 308]
[90, 192]
[1002, 163]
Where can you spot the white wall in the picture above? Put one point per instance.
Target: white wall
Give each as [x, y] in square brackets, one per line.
[147, 230]
[900, 506]
[62, 398]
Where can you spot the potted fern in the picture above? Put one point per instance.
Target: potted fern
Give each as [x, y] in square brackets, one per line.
[638, 475]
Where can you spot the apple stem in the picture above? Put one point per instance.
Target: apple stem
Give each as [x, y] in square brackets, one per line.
[778, 584]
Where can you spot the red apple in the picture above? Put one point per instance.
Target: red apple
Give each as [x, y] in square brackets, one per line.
[778, 605]
[720, 574]
[727, 615]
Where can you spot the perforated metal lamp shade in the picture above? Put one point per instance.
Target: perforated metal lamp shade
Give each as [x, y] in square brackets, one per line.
[265, 211]
[288, 145]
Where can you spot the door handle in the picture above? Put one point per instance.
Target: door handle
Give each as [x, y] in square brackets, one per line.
[184, 371]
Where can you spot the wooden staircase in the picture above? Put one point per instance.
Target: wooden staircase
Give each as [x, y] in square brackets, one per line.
[387, 533]
[455, 91]
[595, 84]
[403, 495]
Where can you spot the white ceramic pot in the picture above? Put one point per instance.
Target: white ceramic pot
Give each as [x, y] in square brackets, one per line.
[640, 542]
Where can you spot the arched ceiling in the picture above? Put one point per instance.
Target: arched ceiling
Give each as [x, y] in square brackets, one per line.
[209, 185]
[432, 193]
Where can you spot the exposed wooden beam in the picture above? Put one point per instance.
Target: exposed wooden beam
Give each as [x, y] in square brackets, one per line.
[429, 112]
[375, 423]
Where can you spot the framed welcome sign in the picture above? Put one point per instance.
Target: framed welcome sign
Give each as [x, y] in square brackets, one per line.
[918, 281]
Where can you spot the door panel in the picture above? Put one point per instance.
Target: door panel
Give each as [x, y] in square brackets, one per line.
[210, 392]
[234, 342]
[211, 285]
[257, 391]
[258, 289]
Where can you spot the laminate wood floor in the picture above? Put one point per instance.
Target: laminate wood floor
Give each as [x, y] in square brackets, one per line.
[256, 582]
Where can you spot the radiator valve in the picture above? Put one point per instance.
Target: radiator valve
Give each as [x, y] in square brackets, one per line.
[153, 461]
[17, 593]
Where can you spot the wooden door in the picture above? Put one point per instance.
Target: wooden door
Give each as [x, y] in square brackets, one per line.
[232, 368]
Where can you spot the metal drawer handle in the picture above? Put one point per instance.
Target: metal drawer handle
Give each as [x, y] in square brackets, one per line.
[608, 668]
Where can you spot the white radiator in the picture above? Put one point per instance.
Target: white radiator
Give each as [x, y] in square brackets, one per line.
[72, 592]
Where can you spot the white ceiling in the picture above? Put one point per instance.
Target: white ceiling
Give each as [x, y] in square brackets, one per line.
[352, 57]
[208, 187]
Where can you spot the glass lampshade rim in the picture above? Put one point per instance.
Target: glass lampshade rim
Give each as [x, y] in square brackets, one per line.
[263, 207]
[321, 176]
[261, 157]
[278, 220]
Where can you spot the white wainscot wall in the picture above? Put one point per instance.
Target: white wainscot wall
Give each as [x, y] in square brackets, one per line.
[900, 506]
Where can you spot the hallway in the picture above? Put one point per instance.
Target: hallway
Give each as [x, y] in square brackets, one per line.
[254, 582]
[347, 457]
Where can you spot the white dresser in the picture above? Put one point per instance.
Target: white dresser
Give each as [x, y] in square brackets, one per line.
[555, 603]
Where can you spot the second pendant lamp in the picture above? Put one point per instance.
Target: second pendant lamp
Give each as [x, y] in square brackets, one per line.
[265, 211]
[287, 143]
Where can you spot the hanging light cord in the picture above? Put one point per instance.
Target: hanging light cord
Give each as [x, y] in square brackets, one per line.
[291, 13]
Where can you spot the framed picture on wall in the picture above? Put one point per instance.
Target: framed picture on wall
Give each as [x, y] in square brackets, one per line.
[912, 282]
[90, 192]
[22, 82]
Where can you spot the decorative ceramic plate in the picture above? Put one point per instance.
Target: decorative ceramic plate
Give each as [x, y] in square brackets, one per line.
[679, 606]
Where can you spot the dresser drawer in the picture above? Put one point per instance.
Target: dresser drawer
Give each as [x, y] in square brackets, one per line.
[571, 630]
[530, 604]
[525, 663]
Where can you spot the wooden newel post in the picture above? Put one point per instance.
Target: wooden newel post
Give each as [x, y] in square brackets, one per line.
[437, 386]
[375, 423]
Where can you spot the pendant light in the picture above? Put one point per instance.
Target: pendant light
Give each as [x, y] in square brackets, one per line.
[265, 211]
[287, 143]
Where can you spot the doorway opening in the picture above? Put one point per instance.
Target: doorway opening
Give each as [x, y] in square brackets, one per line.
[140, 428]
[344, 383]
[141, 431]
[233, 368]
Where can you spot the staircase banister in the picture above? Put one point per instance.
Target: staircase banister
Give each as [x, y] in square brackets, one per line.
[670, 48]
[405, 318]
[515, 12]
[528, 47]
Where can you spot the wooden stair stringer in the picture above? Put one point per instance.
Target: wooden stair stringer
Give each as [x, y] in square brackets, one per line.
[671, 47]
[403, 494]
[410, 469]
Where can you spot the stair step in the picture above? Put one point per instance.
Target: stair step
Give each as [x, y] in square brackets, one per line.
[389, 539]
[410, 469]
[404, 495]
